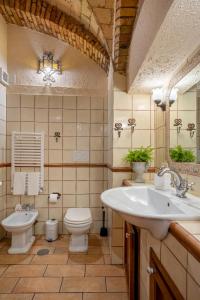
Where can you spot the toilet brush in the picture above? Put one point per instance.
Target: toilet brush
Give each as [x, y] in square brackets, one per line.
[103, 231]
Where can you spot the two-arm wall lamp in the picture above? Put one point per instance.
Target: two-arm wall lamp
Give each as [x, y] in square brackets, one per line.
[158, 97]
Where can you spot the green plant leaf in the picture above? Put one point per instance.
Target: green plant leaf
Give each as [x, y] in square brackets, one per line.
[139, 155]
[179, 154]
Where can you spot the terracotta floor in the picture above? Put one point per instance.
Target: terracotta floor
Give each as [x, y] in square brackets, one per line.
[61, 275]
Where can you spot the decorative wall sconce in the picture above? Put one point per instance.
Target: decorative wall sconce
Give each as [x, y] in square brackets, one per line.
[132, 124]
[173, 96]
[118, 128]
[57, 135]
[191, 128]
[122, 126]
[49, 67]
[178, 124]
[158, 97]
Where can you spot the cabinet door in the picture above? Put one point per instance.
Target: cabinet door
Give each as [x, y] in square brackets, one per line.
[132, 260]
[161, 285]
[158, 288]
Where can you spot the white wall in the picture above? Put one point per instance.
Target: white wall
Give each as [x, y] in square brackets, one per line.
[26, 46]
[150, 19]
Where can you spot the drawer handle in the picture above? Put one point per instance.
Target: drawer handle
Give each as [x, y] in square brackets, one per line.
[151, 270]
[127, 235]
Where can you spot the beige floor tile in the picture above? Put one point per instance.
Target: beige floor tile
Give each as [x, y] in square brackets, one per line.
[38, 285]
[104, 270]
[105, 296]
[10, 259]
[4, 250]
[2, 269]
[107, 259]
[16, 297]
[85, 259]
[52, 259]
[60, 296]
[98, 250]
[4, 242]
[116, 284]
[62, 241]
[94, 242]
[61, 250]
[25, 271]
[7, 284]
[65, 271]
[83, 284]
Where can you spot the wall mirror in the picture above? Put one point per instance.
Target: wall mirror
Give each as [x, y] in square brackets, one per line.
[185, 123]
[183, 118]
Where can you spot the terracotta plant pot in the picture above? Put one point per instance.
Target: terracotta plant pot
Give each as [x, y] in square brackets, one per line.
[139, 168]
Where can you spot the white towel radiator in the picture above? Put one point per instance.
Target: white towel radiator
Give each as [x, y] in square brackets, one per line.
[28, 151]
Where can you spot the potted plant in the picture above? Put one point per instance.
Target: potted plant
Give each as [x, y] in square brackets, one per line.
[178, 154]
[139, 159]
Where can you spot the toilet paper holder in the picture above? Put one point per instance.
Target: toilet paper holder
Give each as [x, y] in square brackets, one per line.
[59, 195]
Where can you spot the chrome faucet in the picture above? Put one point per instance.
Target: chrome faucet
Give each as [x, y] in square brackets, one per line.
[181, 184]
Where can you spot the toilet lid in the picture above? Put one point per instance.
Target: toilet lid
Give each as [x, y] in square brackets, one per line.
[78, 215]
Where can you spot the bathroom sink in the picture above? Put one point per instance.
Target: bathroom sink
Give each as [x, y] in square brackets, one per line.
[152, 209]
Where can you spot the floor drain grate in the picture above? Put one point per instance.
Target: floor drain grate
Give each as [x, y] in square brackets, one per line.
[43, 252]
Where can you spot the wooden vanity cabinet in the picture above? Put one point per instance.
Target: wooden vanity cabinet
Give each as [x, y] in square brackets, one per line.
[161, 285]
[131, 259]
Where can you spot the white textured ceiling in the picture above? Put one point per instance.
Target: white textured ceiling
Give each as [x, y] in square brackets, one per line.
[176, 39]
[191, 79]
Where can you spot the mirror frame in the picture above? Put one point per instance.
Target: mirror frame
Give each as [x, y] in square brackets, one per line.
[189, 65]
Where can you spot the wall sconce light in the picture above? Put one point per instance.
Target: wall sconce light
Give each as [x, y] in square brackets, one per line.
[132, 124]
[178, 124]
[191, 128]
[49, 67]
[118, 128]
[158, 95]
[173, 96]
[57, 135]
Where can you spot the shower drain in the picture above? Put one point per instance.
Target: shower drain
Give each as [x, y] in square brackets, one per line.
[43, 252]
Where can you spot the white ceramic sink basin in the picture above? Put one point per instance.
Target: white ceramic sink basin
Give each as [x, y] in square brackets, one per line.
[148, 208]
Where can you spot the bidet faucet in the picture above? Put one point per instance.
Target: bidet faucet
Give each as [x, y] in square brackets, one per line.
[27, 207]
[181, 184]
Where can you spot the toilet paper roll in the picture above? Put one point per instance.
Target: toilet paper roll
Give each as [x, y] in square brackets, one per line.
[53, 198]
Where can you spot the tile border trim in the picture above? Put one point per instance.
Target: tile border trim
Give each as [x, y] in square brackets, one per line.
[87, 165]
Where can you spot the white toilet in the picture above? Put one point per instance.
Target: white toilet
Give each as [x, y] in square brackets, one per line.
[20, 224]
[78, 221]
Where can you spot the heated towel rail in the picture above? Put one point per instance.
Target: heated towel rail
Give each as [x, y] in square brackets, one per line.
[28, 151]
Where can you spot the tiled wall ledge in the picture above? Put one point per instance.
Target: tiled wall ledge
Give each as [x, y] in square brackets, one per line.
[58, 91]
[85, 165]
[186, 168]
[186, 232]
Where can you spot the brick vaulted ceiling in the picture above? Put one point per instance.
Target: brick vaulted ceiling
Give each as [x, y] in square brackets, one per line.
[84, 24]
[122, 15]
[125, 16]
[44, 17]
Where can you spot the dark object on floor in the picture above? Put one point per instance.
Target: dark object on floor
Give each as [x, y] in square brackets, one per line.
[104, 230]
[43, 252]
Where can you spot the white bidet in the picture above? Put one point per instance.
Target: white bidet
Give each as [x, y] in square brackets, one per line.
[20, 224]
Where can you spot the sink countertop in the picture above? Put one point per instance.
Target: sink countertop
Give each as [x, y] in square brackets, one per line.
[186, 232]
